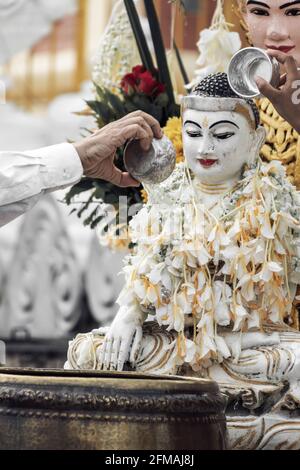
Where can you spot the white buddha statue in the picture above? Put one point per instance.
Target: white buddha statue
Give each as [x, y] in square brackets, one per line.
[211, 285]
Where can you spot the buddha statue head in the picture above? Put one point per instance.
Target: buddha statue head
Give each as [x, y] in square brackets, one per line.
[221, 131]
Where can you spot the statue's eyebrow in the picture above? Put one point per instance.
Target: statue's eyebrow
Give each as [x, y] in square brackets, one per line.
[194, 124]
[289, 4]
[225, 122]
[261, 4]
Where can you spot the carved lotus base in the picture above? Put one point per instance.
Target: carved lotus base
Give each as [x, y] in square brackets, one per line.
[263, 391]
[268, 432]
[263, 416]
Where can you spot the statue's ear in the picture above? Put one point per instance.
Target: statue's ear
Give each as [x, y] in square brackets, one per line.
[259, 138]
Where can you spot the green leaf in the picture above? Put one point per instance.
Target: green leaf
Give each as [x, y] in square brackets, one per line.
[85, 206]
[102, 110]
[129, 106]
[89, 220]
[96, 221]
[116, 103]
[99, 193]
[81, 187]
[162, 100]
[100, 93]
[173, 110]
[112, 199]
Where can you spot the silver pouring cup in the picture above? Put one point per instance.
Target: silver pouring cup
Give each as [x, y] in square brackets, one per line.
[152, 166]
[246, 65]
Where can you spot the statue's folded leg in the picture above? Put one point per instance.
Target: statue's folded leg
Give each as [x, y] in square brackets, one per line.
[259, 377]
[155, 356]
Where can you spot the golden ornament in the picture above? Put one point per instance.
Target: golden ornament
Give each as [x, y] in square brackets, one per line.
[282, 142]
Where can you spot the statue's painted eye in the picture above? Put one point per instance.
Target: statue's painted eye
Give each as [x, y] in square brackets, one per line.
[259, 12]
[293, 12]
[194, 133]
[224, 135]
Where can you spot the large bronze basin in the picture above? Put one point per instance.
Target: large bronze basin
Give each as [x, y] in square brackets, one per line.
[61, 410]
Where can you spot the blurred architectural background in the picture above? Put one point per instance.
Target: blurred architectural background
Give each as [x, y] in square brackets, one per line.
[54, 278]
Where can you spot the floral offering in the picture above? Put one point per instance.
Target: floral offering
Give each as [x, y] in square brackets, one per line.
[240, 269]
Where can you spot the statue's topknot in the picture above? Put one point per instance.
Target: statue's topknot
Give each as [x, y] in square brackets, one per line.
[217, 86]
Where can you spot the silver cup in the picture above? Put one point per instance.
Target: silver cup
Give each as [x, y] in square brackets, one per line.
[152, 166]
[246, 65]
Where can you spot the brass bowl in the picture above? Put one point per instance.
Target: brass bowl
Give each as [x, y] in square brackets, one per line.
[152, 166]
[70, 410]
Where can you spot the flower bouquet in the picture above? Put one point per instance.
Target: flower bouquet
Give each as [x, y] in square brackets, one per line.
[147, 87]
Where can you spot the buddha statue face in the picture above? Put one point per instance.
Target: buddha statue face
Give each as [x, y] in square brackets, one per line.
[217, 144]
[220, 131]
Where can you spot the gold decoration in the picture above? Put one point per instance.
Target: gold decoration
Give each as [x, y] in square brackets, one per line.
[282, 142]
[173, 131]
[144, 196]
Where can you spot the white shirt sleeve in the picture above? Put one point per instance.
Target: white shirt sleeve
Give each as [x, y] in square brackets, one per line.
[25, 176]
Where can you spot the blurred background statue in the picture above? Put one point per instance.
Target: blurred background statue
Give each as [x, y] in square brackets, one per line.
[32, 19]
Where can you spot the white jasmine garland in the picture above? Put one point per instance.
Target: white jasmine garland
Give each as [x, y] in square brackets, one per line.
[237, 271]
[117, 51]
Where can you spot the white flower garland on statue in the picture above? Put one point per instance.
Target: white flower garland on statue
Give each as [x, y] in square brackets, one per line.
[235, 272]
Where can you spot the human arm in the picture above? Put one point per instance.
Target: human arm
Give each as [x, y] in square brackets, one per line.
[25, 176]
[286, 98]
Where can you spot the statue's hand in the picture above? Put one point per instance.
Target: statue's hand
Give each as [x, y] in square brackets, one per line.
[123, 341]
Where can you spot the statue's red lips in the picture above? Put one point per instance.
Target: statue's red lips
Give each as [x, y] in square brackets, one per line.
[207, 162]
[285, 49]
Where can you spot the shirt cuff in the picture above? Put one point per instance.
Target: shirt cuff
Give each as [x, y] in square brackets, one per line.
[60, 166]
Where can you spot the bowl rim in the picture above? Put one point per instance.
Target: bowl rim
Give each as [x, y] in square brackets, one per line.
[240, 52]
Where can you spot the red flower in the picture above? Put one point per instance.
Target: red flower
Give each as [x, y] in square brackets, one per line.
[161, 88]
[128, 83]
[142, 81]
[147, 83]
[138, 70]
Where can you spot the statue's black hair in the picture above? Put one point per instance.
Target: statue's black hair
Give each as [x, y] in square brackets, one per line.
[217, 85]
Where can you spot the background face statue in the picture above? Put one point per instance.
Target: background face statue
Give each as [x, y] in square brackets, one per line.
[274, 24]
[217, 144]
